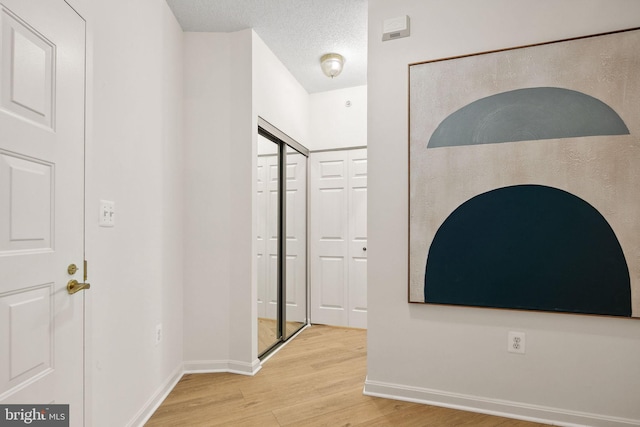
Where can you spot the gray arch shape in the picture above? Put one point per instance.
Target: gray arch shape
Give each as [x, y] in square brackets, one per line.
[525, 115]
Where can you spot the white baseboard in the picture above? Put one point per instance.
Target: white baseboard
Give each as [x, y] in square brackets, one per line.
[502, 408]
[156, 399]
[213, 366]
[193, 367]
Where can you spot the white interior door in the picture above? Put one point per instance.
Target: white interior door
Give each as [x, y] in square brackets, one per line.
[41, 203]
[339, 238]
[357, 238]
[329, 238]
[296, 230]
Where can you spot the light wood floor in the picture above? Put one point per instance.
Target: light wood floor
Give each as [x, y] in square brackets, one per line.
[315, 380]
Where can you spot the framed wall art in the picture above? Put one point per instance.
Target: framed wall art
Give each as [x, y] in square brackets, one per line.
[524, 177]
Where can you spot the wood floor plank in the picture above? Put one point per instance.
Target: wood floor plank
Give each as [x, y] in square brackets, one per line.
[315, 380]
[297, 414]
[355, 414]
[266, 419]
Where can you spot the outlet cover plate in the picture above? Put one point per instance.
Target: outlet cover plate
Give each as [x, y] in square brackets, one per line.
[516, 342]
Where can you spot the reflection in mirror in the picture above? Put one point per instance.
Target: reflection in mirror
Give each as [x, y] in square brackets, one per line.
[296, 242]
[267, 202]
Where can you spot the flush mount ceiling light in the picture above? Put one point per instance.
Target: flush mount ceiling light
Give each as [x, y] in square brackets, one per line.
[331, 64]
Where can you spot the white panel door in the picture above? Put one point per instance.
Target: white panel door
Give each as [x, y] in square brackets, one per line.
[41, 203]
[339, 238]
[329, 238]
[296, 231]
[357, 280]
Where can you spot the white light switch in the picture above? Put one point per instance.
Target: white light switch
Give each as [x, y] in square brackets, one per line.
[107, 214]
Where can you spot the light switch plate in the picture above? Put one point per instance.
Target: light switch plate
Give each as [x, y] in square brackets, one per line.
[107, 214]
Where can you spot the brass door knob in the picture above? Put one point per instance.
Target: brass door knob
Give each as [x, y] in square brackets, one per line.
[74, 286]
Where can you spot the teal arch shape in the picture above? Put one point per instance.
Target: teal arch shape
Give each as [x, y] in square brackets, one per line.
[525, 115]
[528, 247]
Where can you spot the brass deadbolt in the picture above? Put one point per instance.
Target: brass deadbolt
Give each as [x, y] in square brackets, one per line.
[72, 269]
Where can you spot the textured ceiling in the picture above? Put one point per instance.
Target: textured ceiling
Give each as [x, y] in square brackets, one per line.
[298, 32]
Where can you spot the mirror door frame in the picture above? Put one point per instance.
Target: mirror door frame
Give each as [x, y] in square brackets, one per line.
[283, 141]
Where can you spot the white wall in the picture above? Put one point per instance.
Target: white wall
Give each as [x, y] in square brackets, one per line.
[581, 369]
[277, 96]
[207, 152]
[219, 158]
[333, 124]
[134, 158]
[229, 80]
[244, 127]
[319, 121]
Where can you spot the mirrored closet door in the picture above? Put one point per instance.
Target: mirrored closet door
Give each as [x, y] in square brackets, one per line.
[296, 241]
[268, 206]
[281, 204]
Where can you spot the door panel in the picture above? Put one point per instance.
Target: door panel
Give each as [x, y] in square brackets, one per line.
[27, 203]
[339, 238]
[27, 334]
[329, 237]
[358, 293]
[41, 203]
[358, 238]
[332, 207]
[332, 285]
[27, 70]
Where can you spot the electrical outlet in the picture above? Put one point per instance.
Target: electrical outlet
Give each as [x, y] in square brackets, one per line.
[158, 333]
[516, 342]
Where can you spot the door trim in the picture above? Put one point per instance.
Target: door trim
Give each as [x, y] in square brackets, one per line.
[87, 347]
